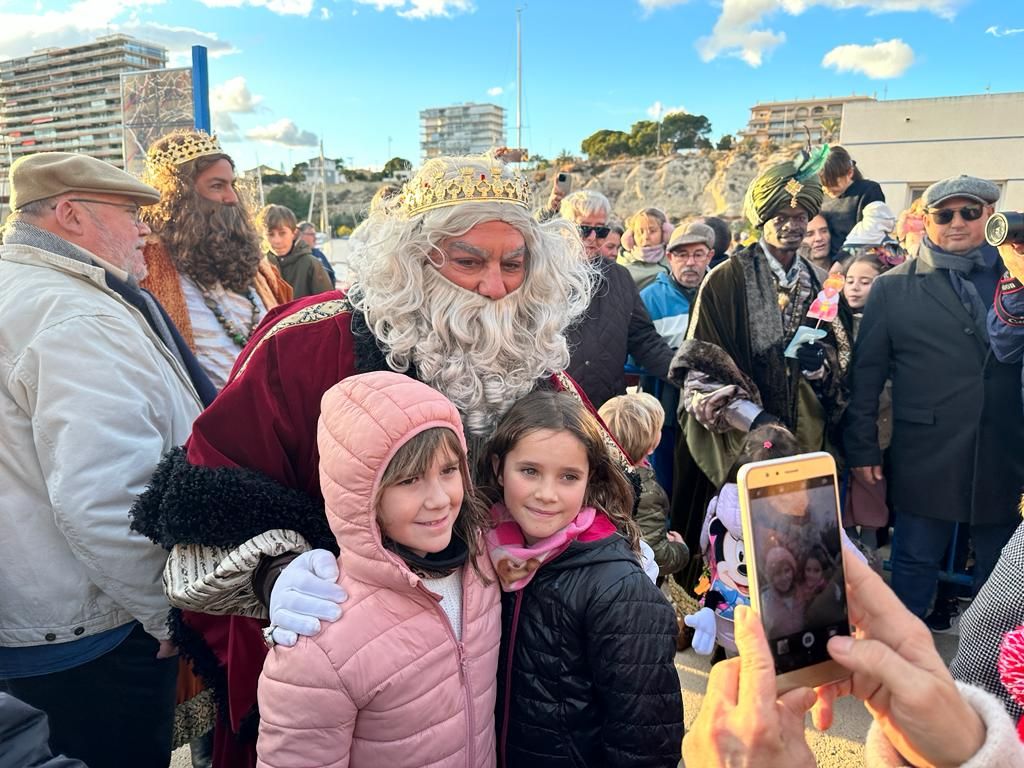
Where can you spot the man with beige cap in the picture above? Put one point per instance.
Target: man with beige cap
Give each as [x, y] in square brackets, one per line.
[93, 391]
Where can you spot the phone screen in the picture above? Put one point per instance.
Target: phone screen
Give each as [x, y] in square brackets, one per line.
[802, 589]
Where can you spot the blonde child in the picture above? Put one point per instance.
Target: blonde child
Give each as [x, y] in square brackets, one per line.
[635, 421]
[643, 245]
[587, 673]
[290, 253]
[407, 679]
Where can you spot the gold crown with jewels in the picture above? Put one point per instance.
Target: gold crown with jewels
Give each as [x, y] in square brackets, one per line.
[181, 147]
[442, 183]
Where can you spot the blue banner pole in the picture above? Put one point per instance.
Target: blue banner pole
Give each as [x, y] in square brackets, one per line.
[200, 88]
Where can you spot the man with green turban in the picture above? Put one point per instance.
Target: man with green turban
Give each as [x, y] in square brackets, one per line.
[732, 365]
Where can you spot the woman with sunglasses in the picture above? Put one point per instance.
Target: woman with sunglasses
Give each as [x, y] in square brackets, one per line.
[617, 323]
[957, 410]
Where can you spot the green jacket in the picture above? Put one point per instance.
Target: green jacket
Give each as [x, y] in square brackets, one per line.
[652, 517]
[301, 270]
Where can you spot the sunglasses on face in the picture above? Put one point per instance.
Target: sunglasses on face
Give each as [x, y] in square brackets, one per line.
[945, 215]
[601, 231]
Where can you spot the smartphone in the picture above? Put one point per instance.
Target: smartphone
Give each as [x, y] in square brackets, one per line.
[563, 183]
[791, 533]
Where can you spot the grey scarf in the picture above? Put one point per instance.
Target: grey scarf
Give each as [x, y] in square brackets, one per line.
[959, 266]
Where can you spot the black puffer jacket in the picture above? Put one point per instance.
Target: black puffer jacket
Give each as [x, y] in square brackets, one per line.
[616, 325]
[592, 680]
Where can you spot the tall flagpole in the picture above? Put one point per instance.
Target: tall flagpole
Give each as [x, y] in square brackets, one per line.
[519, 78]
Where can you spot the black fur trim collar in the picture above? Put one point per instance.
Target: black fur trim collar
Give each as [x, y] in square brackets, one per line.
[223, 507]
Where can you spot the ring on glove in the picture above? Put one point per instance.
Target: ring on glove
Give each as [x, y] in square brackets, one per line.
[268, 636]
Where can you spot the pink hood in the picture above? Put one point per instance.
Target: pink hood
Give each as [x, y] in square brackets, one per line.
[364, 420]
[388, 684]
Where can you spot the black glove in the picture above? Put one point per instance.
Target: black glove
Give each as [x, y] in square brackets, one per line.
[763, 419]
[811, 356]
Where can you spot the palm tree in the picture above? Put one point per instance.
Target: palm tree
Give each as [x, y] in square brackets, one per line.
[829, 129]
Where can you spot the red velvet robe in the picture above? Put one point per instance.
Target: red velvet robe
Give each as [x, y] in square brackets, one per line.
[265, 419]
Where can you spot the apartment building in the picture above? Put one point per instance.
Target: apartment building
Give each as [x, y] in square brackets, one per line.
[781, 122]
[69, 99]
[461, 129]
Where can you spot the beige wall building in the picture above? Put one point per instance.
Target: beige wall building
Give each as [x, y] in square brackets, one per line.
[907, 145]
[462, 129]
[69, 99]
[785, 121]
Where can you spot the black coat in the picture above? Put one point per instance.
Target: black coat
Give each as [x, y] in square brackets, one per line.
[958, 426]
[616, 325]
[592, 680]
[842, 213]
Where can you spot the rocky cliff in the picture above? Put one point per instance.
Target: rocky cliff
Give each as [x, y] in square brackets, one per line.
[686, 184]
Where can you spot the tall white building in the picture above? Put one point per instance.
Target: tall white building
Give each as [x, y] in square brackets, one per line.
[461, 129]
[69, 99]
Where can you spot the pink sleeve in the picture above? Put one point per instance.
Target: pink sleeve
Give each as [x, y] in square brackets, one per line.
[307, 716]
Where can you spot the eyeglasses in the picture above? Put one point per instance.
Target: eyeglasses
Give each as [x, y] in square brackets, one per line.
[133, 210]
[691, 256]
[601, 231]
[945, 215]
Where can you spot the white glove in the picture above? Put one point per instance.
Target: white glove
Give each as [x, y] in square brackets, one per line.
[305, 592]
[647, 561]
[705, 627]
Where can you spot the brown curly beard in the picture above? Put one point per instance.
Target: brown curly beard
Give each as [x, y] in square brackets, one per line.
[209, 241]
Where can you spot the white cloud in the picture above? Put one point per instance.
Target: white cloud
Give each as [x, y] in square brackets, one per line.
[657, 110]
[655, 5]
[422, 9]
[280, 7]
[886, 59]
[1004, 32]
[738, 30]
[325, 14]
[283, 131]
[495, 91]
[234, 96]
[225, 127]
[85, 20]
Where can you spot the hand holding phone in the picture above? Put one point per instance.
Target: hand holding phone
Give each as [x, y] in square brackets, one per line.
[791, 530]
[561, 187]
[742, 721]
[898, 671]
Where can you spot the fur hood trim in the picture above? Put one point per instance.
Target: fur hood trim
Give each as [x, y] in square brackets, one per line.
[712, 360]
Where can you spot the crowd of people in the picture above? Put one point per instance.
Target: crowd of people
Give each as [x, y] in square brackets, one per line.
[425, 519]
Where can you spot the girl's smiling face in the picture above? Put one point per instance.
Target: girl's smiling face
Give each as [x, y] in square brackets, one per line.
[859, 279]
[544, 480]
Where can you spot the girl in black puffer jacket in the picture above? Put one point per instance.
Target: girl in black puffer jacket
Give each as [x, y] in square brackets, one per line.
[586, 672]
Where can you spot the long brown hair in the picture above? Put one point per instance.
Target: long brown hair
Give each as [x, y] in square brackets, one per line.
[607, 487]
[208, 241]
[415, 457]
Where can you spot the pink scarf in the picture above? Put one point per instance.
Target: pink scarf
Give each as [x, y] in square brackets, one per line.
[516, 561]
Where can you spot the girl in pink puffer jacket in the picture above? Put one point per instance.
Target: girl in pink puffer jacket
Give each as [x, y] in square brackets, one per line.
[408, 679]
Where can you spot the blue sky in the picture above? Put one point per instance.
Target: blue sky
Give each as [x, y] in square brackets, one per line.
[356, 72]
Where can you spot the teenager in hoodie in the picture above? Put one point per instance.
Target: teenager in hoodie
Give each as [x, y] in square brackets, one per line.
[408, 679]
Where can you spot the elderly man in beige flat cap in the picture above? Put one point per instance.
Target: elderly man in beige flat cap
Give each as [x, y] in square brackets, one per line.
[93, 391]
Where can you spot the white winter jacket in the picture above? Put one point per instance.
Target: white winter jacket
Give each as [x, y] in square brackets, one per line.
[90, 399]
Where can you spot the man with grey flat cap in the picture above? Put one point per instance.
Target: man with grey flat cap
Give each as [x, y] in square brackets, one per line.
[957, 411]
[93, 391]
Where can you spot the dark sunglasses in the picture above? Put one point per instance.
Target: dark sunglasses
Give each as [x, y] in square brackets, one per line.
[601, 232]
[945, 215]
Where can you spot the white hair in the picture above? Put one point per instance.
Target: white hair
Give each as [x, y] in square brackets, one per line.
[482, 354]
[582, 203]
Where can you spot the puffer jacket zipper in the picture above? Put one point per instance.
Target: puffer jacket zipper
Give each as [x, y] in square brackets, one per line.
[460, 655]
[502, 759]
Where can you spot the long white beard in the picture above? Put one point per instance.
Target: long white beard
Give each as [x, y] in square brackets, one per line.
[482, 354]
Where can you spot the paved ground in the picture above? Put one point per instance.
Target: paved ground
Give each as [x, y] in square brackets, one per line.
[841, 747]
